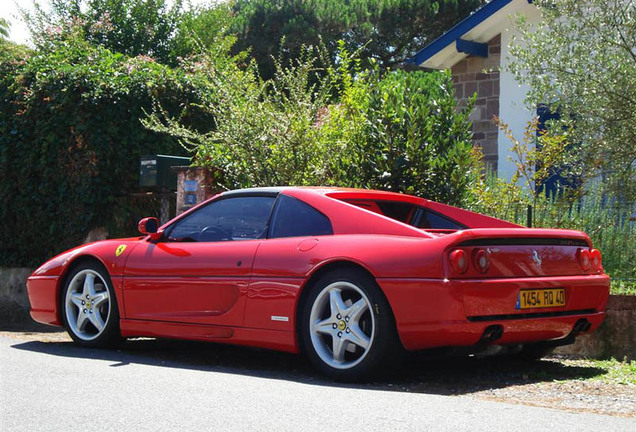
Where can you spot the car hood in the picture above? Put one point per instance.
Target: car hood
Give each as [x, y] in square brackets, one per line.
[111, 253]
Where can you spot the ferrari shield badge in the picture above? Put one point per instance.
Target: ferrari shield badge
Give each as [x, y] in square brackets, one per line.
[120, 250]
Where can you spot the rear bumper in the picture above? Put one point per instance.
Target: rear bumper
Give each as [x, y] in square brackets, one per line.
[520, 331]
[433, 313]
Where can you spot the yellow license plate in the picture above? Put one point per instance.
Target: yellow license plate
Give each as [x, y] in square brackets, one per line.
[541, 298]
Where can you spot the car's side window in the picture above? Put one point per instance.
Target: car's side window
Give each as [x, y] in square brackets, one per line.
[431, 220]
[294, 218]
[239, 218]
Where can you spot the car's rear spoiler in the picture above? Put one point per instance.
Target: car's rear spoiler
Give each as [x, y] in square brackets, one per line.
[501, 236]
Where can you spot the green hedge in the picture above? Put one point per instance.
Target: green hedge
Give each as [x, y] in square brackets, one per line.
[70, 142]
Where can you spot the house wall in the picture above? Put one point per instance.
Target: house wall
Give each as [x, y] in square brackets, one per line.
[513, 110]
[498, 93]
[481, 76]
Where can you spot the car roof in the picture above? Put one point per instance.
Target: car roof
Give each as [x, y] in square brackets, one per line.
[254, 191]
[318, 190]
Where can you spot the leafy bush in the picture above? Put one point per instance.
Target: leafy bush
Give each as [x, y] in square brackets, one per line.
[580, 58]
[130, 27]
[334, 125]
[264, 131]
[405, 134]
[70, 142]
[4, 29]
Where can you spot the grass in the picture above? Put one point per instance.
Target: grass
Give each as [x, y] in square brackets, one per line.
[616, 371]
[623, 287]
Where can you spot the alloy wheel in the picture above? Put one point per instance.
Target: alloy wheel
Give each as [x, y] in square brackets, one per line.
[87, 305]
[341, 325]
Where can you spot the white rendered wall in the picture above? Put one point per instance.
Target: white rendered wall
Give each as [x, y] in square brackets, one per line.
[512, 108]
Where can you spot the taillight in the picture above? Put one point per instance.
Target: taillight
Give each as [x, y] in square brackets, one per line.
[585, 258]
[459, 260]
[481, 261]
[596, 259]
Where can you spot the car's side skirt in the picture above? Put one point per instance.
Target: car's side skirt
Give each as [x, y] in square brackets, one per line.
[269, 339]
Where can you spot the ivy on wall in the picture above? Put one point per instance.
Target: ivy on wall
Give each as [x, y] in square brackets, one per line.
[71, 139]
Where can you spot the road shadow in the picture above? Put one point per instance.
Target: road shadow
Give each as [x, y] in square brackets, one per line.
[453, 375]
[418, 373]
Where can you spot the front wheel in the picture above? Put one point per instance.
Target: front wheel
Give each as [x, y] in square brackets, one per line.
[89, 307]
[347, 327]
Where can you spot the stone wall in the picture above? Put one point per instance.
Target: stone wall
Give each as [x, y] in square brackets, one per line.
[14, 302]
[616, 337]
[481, 75]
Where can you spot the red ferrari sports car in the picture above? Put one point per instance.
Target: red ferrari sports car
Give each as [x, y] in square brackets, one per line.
[350, 277]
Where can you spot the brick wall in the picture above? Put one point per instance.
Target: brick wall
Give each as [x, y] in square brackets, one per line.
[205, 188]
[481, 75]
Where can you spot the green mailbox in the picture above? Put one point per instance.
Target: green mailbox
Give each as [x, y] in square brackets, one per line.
[155, 173]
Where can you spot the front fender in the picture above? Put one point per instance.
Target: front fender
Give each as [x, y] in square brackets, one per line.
[45, 284]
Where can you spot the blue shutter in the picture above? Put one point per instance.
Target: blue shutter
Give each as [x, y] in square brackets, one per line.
[558, 178]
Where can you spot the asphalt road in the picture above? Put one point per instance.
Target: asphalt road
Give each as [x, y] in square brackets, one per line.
[180, 386]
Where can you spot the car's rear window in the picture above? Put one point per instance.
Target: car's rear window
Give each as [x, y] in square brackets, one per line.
[294, 218]
[417, 216]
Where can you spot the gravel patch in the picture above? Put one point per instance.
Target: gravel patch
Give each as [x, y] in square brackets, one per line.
[580, 396]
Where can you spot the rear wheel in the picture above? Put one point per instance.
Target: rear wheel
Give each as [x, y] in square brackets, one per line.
[347, 327]
[89, 307]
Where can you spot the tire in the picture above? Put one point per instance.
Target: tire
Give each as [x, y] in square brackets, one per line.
[347, 327]
[89, 307]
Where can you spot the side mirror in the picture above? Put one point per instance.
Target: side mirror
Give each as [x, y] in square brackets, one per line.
[149, 226]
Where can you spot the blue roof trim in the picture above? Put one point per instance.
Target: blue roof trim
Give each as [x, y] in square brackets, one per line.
[458, 31]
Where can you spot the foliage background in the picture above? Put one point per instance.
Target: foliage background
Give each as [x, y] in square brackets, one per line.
[406, 134]
[385, 32]
[320, 123]
[70, 142]
[581, 60]
[71, 107]
[301, 92]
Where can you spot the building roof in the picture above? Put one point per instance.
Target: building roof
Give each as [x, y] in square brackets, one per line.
[470, 36]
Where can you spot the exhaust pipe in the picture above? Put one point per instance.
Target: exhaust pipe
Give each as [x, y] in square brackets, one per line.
[491, 334]
[581, 326]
